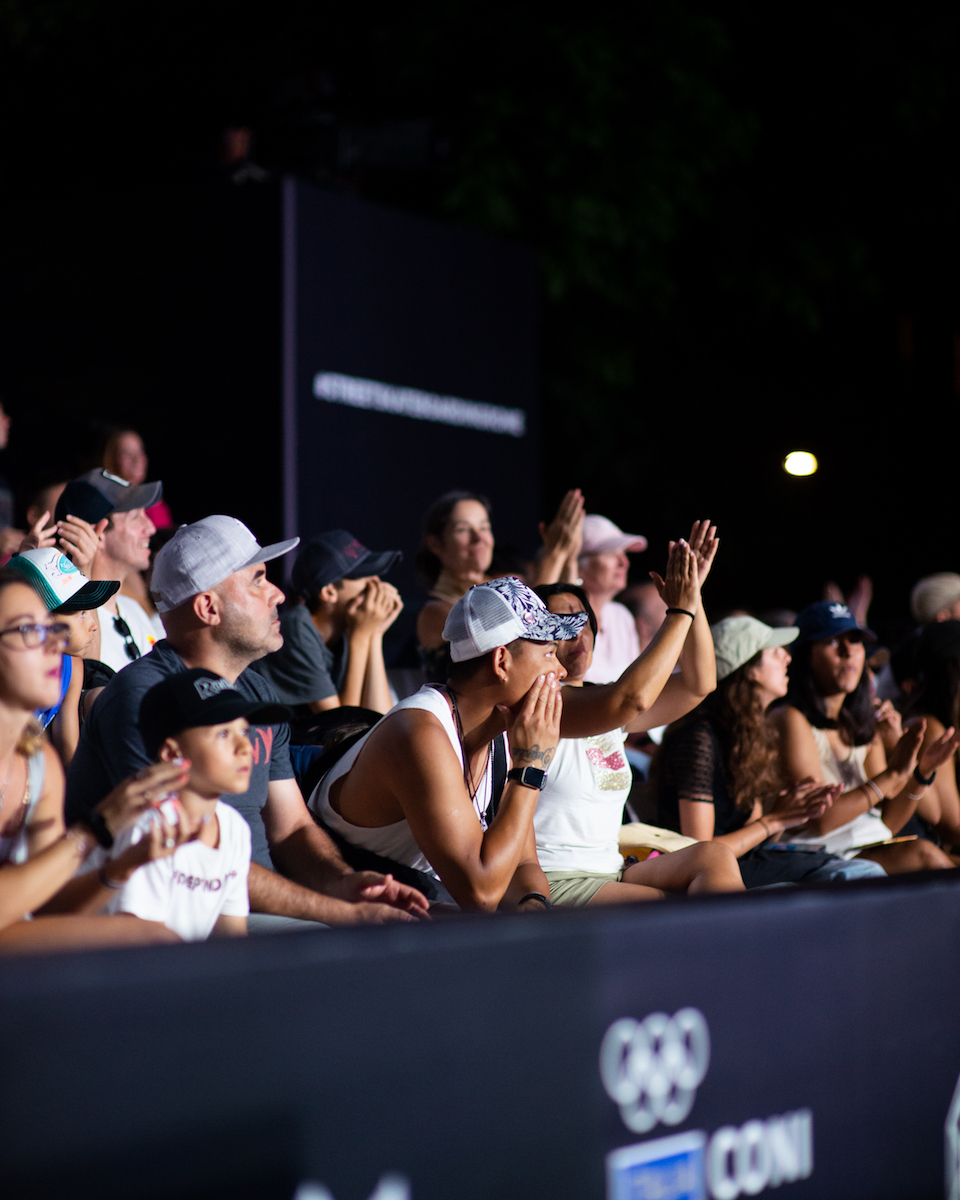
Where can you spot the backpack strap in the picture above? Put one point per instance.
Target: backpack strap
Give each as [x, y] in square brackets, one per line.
[499, 781]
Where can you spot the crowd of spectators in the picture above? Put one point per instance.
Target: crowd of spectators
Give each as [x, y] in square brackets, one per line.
[187, 751]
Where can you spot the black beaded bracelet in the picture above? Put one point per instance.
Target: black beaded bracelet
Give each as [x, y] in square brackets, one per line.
[920, 779]
[535, 896]
[686, 612]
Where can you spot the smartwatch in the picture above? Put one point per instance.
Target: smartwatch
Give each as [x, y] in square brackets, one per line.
[529, 777]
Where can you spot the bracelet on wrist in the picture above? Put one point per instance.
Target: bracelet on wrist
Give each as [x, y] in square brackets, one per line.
[535, 896]
[686, 612]
[920, 779]
[874, 788]
[107, 882]
[766, 828]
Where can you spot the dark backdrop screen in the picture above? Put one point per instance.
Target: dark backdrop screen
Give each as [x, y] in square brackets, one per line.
[404, 315]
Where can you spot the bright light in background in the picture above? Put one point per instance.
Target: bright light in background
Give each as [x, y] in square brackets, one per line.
[799, 462]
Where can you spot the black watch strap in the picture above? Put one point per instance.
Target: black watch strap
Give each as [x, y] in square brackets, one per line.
[529, 777]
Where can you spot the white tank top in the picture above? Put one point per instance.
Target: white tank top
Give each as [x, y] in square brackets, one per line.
[580, 811]
[396, 841]
[863, 830]
[14, 849]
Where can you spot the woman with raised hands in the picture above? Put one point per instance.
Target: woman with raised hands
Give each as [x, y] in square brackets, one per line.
[38, 856]
[580, 810]
[830, 731]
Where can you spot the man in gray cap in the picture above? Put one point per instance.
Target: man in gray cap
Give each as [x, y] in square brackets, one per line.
[220, 612]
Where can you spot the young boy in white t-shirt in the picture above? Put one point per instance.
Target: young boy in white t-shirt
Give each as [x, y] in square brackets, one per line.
[201, 889]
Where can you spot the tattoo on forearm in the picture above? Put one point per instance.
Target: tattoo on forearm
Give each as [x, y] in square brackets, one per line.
[532, 755]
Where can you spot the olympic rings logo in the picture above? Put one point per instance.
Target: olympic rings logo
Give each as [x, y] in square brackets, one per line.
[652, 1068]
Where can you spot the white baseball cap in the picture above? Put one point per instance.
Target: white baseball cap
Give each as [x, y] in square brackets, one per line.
[201, 555]
[497, 613]
[601, 536]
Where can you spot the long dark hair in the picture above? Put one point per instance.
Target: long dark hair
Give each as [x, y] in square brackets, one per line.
[545, 590]
[748, 744]
[857, 718]
[434, 522]
[936, 674]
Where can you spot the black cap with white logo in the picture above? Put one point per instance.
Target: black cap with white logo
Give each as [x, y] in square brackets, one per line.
[198, 697]
[96, 494]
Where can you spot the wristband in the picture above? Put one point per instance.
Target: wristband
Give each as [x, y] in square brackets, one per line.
[686, 612]
[107, 882]
[535, 896]
[765, 827]
[870, 784]
[920, 779]
[98, 827]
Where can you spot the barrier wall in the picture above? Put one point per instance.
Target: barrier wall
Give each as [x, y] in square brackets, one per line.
[807, 1041]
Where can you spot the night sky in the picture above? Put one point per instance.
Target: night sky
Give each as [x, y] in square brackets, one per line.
[745, 214]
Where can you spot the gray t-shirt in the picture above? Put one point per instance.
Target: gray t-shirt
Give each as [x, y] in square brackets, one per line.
[111, 747]
[304, 669]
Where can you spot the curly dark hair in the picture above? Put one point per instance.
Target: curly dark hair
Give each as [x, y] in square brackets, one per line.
[434, 522]
[857, 720]
[749, 744]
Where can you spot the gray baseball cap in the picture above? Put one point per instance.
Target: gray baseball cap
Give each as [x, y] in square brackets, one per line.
[737, 639]
[201, 555]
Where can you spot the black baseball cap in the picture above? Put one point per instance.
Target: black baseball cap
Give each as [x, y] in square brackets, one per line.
[197, 698]
[96, 494]
[327, 557]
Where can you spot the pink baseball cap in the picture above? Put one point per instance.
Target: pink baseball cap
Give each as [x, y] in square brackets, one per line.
[601, 536]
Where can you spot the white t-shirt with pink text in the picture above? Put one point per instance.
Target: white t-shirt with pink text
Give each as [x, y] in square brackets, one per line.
[188, 890]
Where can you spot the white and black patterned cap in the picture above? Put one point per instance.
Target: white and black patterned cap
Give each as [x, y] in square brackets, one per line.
[201, 555]
[497, 613]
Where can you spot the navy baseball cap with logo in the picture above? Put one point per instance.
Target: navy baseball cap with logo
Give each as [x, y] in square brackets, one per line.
[96, 494]
[327, 557]
[198, 698]
[827, 619]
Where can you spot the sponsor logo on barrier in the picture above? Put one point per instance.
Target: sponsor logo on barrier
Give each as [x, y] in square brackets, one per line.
[389, 1187]
[651, 1069]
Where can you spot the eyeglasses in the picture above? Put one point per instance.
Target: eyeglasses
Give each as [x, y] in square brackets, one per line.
[32, 636]
[129, 645]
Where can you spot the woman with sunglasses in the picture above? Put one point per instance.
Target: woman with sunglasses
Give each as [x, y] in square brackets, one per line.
[38, 855]
[830, 731]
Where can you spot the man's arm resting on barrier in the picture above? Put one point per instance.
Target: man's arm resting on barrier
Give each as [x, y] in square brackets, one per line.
[305, 855]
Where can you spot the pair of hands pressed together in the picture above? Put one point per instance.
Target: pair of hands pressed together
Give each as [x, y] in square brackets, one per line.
[688, 565]
[375, 609]
[903, 743]
[78, 539]
[564, 535]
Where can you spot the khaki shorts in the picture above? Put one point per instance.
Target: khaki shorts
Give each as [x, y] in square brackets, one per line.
[570, 889]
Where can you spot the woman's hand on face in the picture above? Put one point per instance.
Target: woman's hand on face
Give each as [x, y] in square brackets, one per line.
[903, 757]
[937, 753]
[564, 534]
[704, 543]
[681, 588]
[889, 725]
[534, 733]
[147, 788]
[802, 802]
